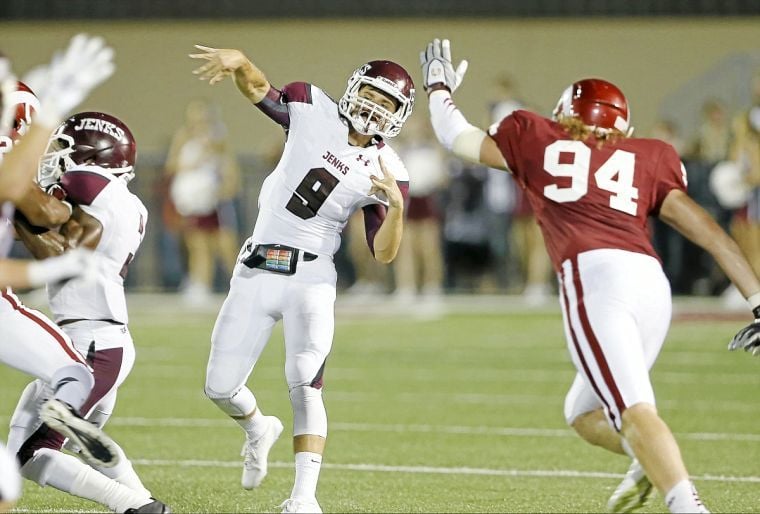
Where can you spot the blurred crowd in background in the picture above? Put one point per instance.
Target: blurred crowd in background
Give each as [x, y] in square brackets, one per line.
[469, 229]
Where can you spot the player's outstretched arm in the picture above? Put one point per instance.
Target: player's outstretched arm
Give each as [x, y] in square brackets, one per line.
[75, 263]
[691, 220]
[223, 62]
[440, 79]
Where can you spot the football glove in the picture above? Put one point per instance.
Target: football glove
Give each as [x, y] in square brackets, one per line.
[79, 263]
[72, 75]
[438, 70]
[748, 337]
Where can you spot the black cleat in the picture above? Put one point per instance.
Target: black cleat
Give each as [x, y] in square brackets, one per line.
[97, 448]
[154, 507]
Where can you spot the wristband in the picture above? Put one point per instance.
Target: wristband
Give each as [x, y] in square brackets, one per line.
[754, 304]
[39, 273]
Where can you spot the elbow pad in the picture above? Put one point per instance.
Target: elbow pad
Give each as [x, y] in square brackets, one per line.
[452, 129]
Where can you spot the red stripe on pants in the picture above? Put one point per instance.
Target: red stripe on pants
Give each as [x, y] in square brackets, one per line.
[593, 342]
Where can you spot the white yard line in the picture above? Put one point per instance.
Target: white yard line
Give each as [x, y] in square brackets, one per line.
[434, 470]
[418, 428]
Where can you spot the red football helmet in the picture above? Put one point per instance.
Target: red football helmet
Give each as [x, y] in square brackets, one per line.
[597, 103]
[19, 103]
[366, 116]
[89, 139]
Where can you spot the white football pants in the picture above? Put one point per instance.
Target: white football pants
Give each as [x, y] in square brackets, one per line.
[616, 307]
[30, 342]
[257, 299]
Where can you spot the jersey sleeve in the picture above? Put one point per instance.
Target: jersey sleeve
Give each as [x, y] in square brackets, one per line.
[83, 187]
[276, 103]
[88, 190]
[671, 175]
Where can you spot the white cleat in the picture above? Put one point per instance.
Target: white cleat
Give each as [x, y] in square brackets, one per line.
[633, 492]
[293, 505]
[96, 447]
[256, 452]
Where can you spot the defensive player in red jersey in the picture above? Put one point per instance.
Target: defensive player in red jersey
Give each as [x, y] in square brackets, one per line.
[593, 187]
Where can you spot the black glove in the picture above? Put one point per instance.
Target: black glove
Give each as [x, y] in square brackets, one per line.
[748, 337]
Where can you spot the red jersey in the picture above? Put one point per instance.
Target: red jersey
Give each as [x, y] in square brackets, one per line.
[587, 197]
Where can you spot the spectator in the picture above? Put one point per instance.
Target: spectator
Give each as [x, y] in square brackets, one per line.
[745, 150]
[513, 216]
[419, 263]
[204, 182]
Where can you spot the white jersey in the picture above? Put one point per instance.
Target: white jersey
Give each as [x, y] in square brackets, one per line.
[123, 217]
[321, 179]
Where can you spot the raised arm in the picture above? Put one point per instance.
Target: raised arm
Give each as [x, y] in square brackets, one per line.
[440, 80]
[223, 62]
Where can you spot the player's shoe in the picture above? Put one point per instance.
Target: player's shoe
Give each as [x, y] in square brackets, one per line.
[154, 507]
[294, 505]
[633, 492]
[96, 447]
[256, 452]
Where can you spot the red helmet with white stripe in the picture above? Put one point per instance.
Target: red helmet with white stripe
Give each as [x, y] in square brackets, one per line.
[19, 103]
[599, 104]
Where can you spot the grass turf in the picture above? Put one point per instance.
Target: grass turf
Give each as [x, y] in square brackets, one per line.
[457, 414]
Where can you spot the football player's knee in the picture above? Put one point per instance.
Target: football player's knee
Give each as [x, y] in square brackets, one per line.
[306, 368]
[38, 467]
[74, 392]
[236, 404]
[309, 415]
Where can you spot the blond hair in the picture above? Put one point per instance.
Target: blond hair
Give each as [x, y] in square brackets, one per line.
[579, 131]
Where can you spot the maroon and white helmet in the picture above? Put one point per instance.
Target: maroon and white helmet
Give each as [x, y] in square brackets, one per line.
[599, 104]
[89, 139]
[366, 116]
[19, 104]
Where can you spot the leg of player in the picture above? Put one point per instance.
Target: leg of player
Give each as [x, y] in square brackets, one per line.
[35, 345]
[240, 334]
[10, 480]
[309, 327]
[615, 331]
[656, 449]
[583, 412]
[37, 448]
[123, 472]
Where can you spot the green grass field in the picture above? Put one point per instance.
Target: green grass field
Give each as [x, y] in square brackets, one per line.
[457, 414]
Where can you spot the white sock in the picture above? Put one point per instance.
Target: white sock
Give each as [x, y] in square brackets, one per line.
[125, 474]
[71, 475]
[683, 498]
[307, 474]
[253, 425]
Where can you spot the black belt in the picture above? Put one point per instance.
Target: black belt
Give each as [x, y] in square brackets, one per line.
[276, 258]
[76, 320]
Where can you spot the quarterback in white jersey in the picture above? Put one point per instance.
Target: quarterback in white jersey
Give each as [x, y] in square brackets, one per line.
[334, 162]
[91, 159]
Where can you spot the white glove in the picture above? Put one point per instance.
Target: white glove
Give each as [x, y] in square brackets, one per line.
[437, 68]
[79, 262]
[72, 75]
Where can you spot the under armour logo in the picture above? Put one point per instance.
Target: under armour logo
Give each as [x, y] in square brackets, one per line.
[360, 158]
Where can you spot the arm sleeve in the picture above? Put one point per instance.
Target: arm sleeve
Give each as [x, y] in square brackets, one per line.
[275, 103]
